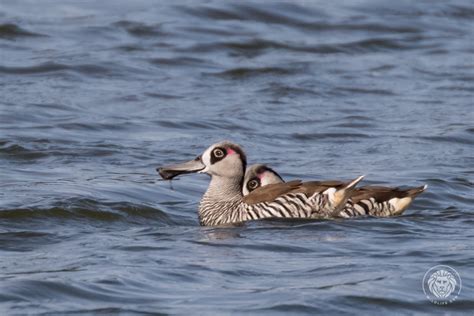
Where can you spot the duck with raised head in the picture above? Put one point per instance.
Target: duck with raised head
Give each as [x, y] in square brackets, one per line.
[223, 203]
[367, 200]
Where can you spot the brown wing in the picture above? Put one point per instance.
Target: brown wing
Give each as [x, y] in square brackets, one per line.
[270, 192]
[312, 187]
[381, 194]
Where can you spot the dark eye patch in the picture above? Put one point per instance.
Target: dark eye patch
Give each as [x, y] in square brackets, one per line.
[215, 154]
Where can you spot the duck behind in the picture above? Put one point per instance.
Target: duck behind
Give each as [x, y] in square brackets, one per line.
[368, 200]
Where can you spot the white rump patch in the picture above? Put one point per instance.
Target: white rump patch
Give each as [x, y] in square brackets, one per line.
[400, 204]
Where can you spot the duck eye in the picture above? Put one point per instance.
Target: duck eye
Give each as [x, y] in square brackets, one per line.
[252, 184]
[218, 153]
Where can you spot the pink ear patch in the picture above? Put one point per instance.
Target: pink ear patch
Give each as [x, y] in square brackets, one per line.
[261, 175]
[230, 151]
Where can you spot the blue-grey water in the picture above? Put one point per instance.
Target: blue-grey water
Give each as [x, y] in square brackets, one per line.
[94, 95]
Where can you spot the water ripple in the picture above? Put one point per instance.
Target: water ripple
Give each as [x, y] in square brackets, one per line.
[89, 210]
[245, 72]
[47, 67]
[267, 15]
[139, 29]
[255, 47]
[329, 136]
[12, 31]
[96, 94]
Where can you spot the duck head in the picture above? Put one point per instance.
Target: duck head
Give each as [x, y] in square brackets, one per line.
[223, 159]
[259, 175]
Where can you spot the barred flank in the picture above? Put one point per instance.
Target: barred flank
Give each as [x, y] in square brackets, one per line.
[367, 207]
[294, 205]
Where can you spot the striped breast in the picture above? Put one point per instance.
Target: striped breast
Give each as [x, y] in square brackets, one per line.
[213, 213]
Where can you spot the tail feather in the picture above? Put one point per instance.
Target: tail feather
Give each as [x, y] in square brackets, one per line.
[416, 191]
[402, 203]
[341, 196]
[351, 185]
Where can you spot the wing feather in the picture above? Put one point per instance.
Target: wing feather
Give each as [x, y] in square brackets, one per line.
[381, 194]
[270, 192]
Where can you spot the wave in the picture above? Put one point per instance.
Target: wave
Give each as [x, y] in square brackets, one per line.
[329, 136]
[17, 151]
[90, 210]
[464, 140]
[180, 62]
[12, 31]
[256, 47]
[247, 72]
[290, 15]
[90, 70]
[139, 29]
[42, 148]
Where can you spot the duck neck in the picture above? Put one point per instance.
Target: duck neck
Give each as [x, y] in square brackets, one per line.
[223, 189]
[221, 204]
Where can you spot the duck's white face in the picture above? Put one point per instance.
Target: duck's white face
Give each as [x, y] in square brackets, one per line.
[223, 159]
[258, 176]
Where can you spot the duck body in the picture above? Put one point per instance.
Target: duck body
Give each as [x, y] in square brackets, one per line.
[223, 202]
[363, 201]
[295, 199]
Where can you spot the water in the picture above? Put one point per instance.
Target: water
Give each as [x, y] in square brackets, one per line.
[96, 95]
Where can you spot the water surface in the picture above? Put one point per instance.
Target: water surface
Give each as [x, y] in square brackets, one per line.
[96, 95]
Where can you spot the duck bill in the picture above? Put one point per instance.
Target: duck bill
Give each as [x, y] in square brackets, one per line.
[171, 171]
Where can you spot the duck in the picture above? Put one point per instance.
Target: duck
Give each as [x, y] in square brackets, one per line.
[223, 203]
[377, 201]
